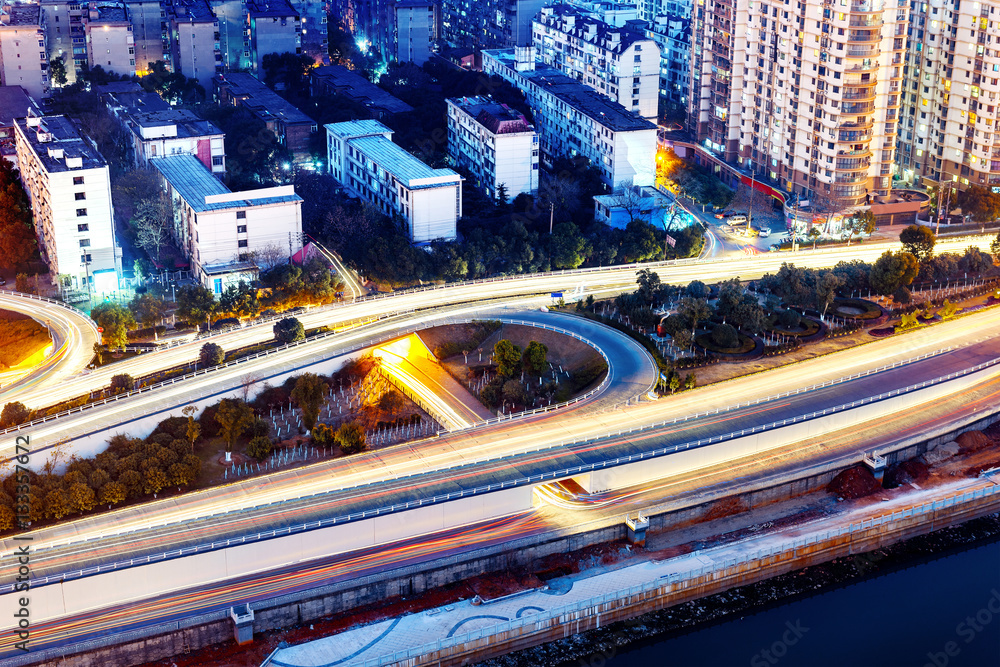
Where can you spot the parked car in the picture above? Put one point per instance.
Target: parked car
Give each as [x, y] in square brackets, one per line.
[764, 232]
[3, 281]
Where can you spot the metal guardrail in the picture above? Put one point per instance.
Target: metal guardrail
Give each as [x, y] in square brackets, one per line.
[54, 302]
[623, 597]
[489, 488]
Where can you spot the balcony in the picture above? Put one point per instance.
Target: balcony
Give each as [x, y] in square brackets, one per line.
[853, 164]
[864, 37]
[866, 93]
[866, 6]
[863, 51]
[866, 21]
[857, 107]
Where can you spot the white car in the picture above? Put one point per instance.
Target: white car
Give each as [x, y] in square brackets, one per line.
[765, 232]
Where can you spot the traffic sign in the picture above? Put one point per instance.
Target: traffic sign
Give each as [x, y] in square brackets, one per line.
[100, 329]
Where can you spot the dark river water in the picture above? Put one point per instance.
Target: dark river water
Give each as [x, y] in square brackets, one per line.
[937, 613]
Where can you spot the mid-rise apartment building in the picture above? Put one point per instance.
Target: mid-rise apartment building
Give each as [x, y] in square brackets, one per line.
[23, 57]
[110, 42]
[194, 41]
[620, 63]
[313, 16]
[151, 43]
[950, 127]
[572, 119]
[364, 160]
[399, 30]
[488, 24]
[234, 43]
[805, 96]
[292, 127]
[70, 189]
[273, 27]
[219, 230]
[495, 143]
[64, 35]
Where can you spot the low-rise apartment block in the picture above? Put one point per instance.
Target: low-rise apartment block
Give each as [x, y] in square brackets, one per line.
[221, 231]
[273, 27]
[292, 127]
[64, 35]
[618, 62]
[70, 189]
[572, 119]
[194, 38]
[495, 143]
[338, 80]
[364, 160]
[23, 57]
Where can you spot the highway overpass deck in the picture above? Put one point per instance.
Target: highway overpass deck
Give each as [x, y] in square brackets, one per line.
[186, 531]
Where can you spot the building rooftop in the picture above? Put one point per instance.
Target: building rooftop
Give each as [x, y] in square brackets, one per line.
[588, 28]
[53, 134]
[110, 13]
[356, 87]
[357, 128]
[401, 164]
[576, 95]
[21, 15]
[277, 8]
[260, 99]
[14, 103]
[129, 96]
[495, 117]
[193, 182]
[187, 122]
[193, 11]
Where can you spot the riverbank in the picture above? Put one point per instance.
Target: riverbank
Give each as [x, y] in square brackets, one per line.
[596, 647]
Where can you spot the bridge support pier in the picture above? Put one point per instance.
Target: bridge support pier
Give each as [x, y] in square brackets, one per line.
[637, 529]
[877, 464]
[242, 623]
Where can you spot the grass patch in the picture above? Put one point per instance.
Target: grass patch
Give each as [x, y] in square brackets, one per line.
[747, 344]
[21, 341]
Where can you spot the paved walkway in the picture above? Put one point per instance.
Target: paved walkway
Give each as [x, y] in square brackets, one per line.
[358, 645]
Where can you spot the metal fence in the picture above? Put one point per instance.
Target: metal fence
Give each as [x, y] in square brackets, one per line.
[669, 583]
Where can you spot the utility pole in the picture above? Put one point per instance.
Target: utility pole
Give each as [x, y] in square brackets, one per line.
[552, 215]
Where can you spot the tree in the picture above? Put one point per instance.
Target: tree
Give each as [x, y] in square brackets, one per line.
[974, 263]
[683, 339]
[154, 480]
[826, 285]
[694, 311]
[57, 71]
[193, 427]
[534, 358]
[112, 493]
[233, 417]
[697, 289]
[640, 242]
[860, 222]
[99, 351]
[259, 447]
[288, 330]
[195, 304]
[56, 504]
[981, 203]
[569, 247]
[892, 270]
[17, 235]
[81, 497]
[901, 295]
[13, 414]
[150, 223]
[919, 241]
[180, 474]
[513, 392]
[675, 381]
[116, 320]
[350, 437]
[649, 285]
[995, 246]
[211, 355]
[240, 301]
[310, 395]
[507, 357]
[148, 309]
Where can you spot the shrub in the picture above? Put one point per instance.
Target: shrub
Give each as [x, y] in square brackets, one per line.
[226, 322]
[121, 383]
[789, 319]
[322, 435]
[725, 336]
[259, 447]
[288, 330]
[351, 438]
[901, 295]
[14, 413]
[209, 427]
[258, 429]
[211, 354]
[175, 427]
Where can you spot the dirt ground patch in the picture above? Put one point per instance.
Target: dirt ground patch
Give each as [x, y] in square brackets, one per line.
[973, 441]
[855, 482]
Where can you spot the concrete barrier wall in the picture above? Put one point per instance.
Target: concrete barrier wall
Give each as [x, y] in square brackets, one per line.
[631, 474]
[179, 574]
